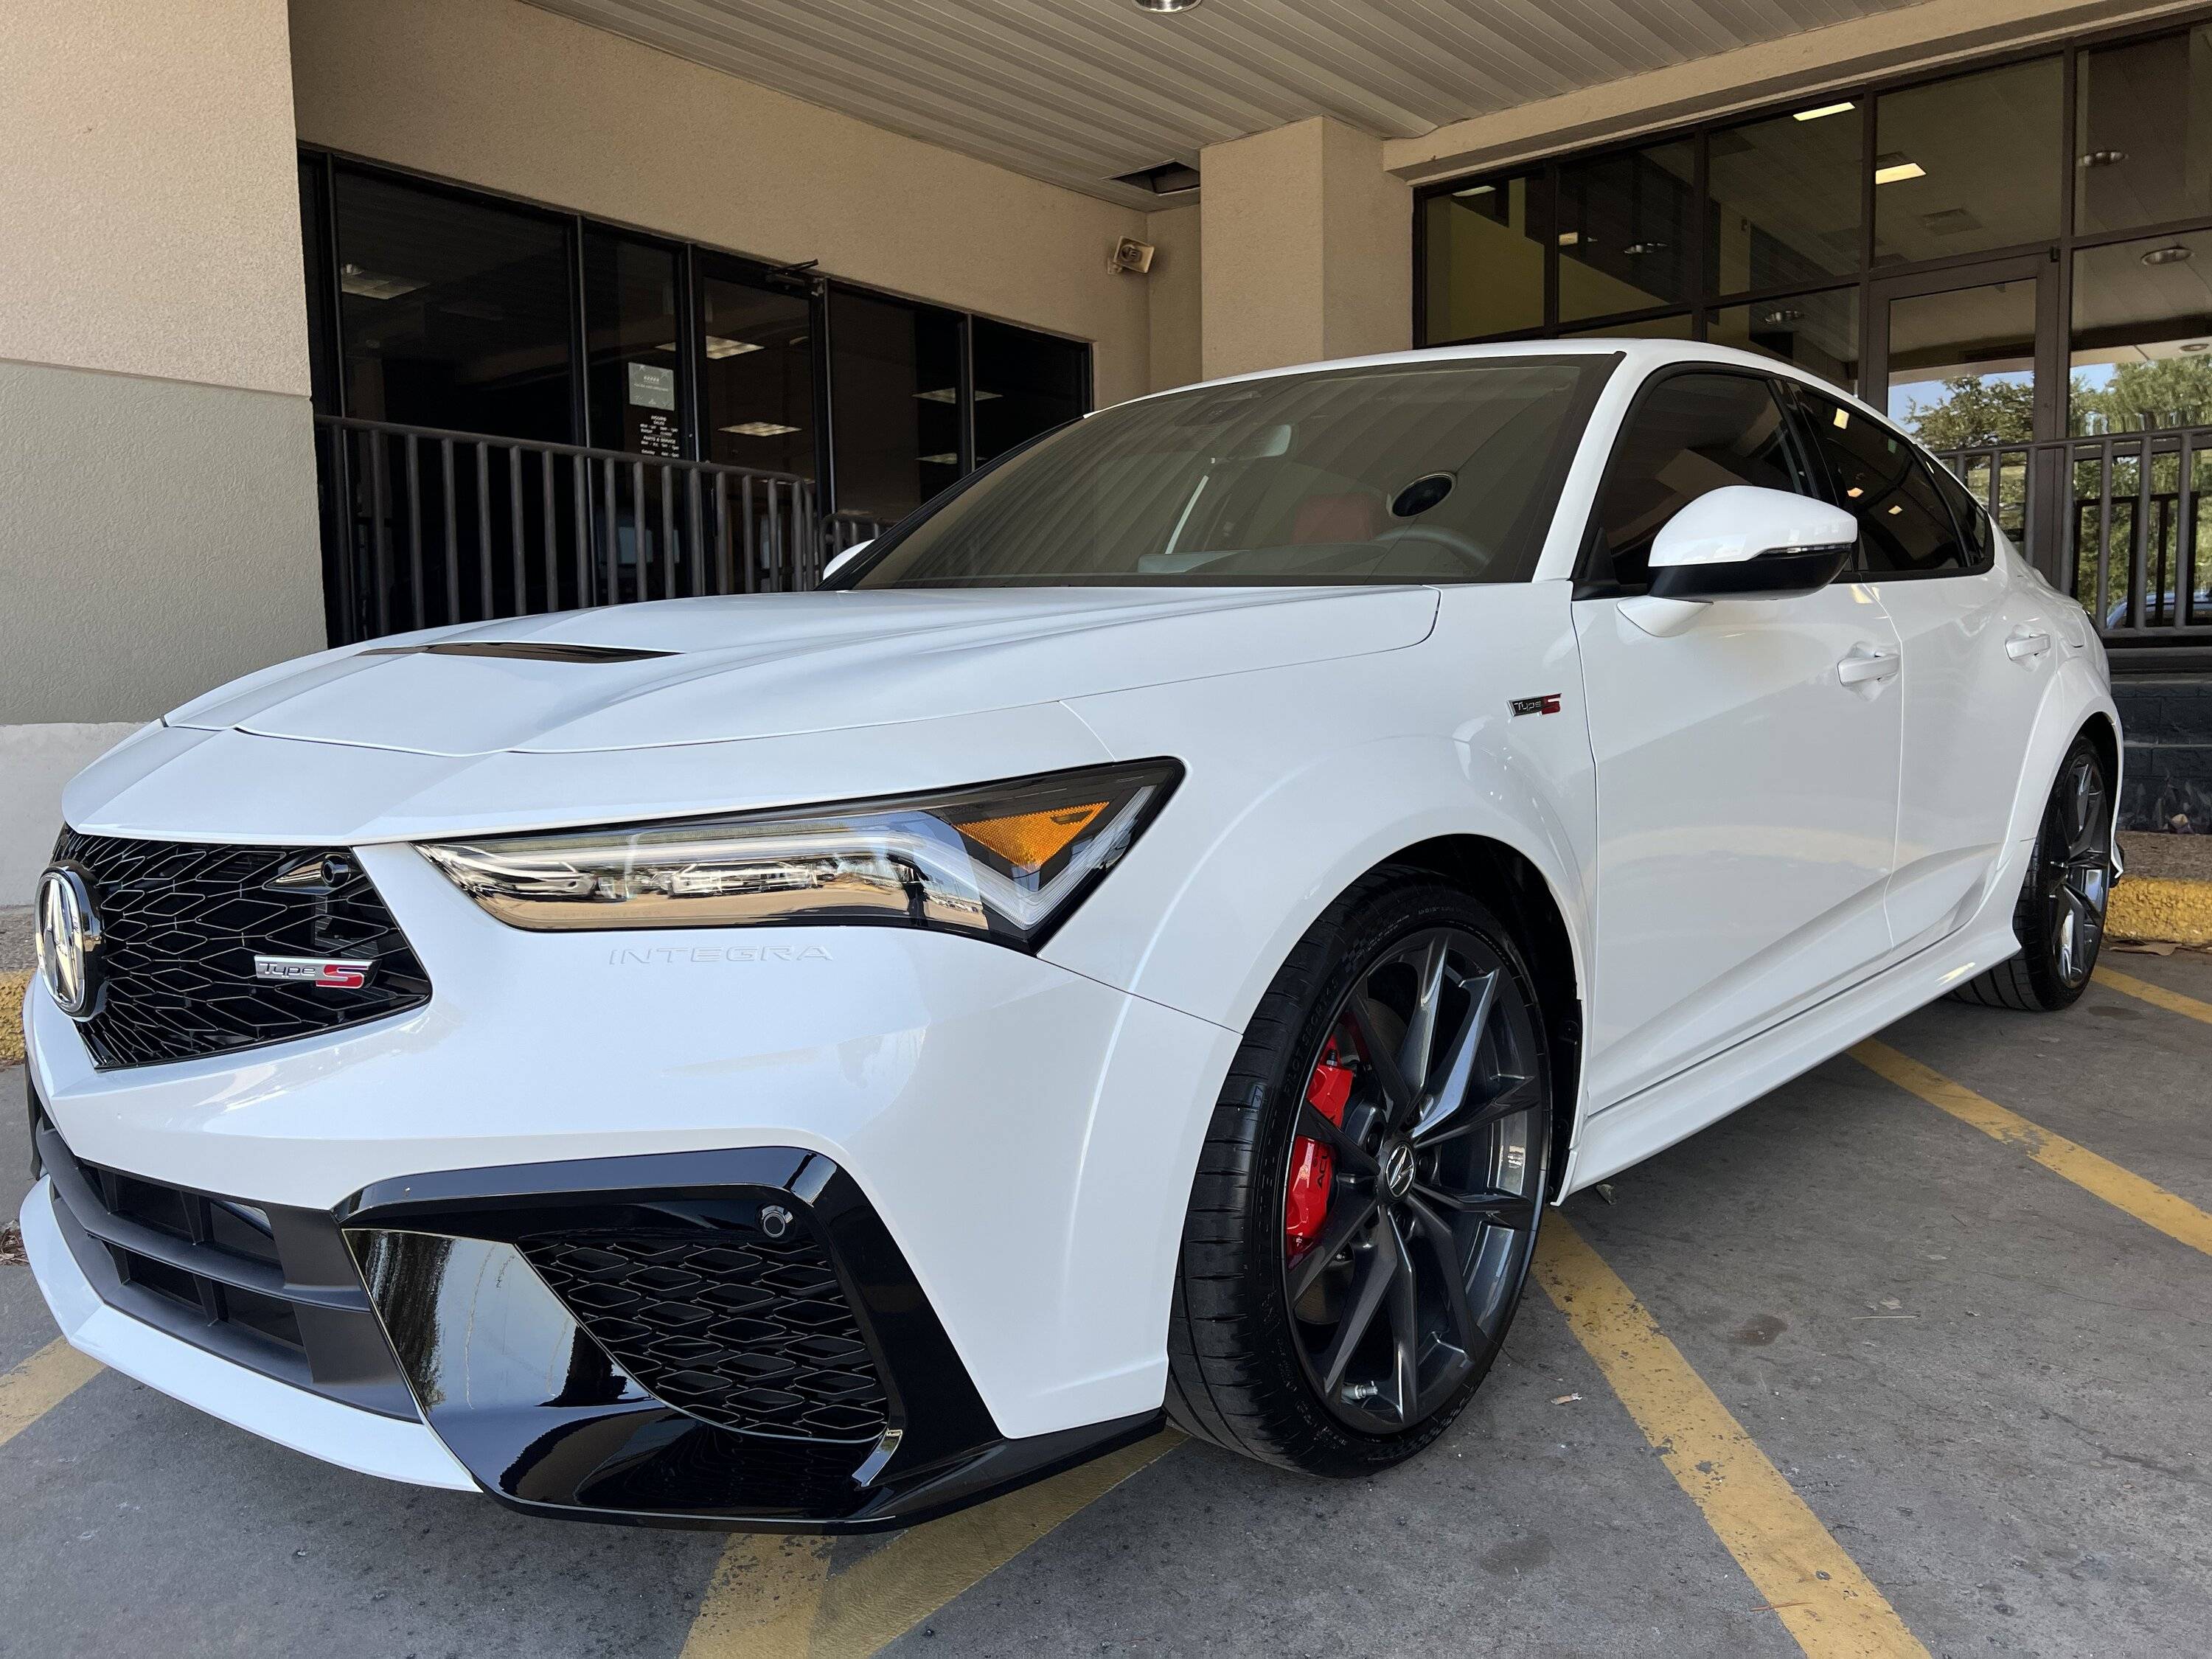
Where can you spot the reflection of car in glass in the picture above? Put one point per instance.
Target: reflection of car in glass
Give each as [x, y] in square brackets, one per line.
[2163, 606]
[1150, 939]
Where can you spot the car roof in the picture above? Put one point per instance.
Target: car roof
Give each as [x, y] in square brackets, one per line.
[1639, 358]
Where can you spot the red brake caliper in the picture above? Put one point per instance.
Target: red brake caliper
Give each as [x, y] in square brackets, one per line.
[1305, 1205]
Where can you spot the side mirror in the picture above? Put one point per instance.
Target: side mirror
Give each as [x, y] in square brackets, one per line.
[1745, 542]
[845, 558]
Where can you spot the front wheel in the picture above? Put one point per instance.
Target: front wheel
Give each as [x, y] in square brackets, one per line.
[2060, 915]
[1366, 1204]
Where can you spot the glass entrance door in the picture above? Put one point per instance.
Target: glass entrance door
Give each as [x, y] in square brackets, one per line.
[1972, 363]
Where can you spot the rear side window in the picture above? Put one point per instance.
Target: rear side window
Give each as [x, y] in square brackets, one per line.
[1905, 527]
[1688, 435]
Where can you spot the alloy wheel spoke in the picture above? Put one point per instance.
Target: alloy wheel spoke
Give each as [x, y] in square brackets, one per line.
[1405, 1324]
[1347, 1216]
[1443, 1244]
[1511, 1094]
[1500, 1209]
[1413, 1054]
[1343, 1144]
[1371, 1281]
[1452, 1090]
[1381, 1065]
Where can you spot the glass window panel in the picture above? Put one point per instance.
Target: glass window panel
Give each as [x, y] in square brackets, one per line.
[2143, 136]
[894, 373]
[2142, 335]
[1784, 206]
[634, 386]
[1025, 383]
[1816, 332]
[1651, 328]
[1483, 244]
[1689, 436]
[758, 351]
[1969, 163]
[455, 313]
[1624, 231]
[1962, 365]
[1905, 526]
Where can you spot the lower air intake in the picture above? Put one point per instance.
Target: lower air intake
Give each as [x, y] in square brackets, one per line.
[739, 1330]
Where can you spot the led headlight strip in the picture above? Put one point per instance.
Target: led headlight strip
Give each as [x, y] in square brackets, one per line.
[1006, 862]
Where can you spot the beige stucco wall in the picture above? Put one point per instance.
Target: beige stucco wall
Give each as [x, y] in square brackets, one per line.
[1309, 248]
[149, 212]
[1174, 312]
[158, 538]
[157, 529]
[498, 93]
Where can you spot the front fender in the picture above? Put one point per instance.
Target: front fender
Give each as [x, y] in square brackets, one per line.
[1300, 780]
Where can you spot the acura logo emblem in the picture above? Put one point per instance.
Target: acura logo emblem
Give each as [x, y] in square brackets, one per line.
[69, 940]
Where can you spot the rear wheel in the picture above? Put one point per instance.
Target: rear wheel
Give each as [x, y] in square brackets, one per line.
[2060, 916]
[1366, 1205]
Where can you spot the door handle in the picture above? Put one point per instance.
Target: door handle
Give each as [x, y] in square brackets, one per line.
[1866, 663]
[2027, 643]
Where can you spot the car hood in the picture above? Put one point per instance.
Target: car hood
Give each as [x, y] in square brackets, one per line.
[716, 670]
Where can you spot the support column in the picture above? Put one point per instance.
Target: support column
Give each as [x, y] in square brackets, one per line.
[1308, 249]
[156, 438]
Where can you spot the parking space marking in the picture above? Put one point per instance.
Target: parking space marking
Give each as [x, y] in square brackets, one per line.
[40, 1383]
[1831, 1608]
[771, 1596]
[2144, 990]
[2148, 1202]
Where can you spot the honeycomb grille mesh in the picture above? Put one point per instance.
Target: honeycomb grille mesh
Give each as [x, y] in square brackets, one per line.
[181, 924]
[741, 1331]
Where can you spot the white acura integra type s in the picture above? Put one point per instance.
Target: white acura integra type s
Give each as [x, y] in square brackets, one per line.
[1148, 939]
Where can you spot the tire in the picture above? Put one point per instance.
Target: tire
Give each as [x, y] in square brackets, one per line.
[1264, 1356]
[2060, 916]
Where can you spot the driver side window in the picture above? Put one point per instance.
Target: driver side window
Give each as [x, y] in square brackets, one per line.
[1688, 435]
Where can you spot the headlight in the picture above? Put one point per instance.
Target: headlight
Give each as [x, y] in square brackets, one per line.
[1005, 861]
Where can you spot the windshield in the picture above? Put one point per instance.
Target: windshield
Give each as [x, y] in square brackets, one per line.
[1416, 472]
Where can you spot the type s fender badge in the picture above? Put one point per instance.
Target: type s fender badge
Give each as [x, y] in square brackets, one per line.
[1547, 704]
[323, 973]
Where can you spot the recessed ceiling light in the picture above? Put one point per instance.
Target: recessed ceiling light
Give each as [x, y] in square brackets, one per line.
[374, 285]
[1783, 316]
[1825, 109]
[1164, 5]
[760, 429]
[1476, 190]
[719, 347]
[1895, 511]
[1634, 248]
[1855, 492]
[1897, 166]
[940, 460]
[1843, 417]
[2173, 254]
[2103, 158]
[1569, 239]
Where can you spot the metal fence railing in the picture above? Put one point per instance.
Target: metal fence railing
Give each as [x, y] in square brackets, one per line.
[2116, 519]
[422, 527]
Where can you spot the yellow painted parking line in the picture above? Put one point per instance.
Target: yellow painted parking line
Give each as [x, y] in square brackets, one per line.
[40, 1383]
[2148, 1202]
[777, 1595]
[1827, 1604]
[2144, 990]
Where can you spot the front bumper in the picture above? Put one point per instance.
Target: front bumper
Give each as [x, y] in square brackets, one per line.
[1020, 1136]
[519, 1315]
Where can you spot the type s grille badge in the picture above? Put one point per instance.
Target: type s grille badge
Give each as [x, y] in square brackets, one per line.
[1547, 704]
[324, 974]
